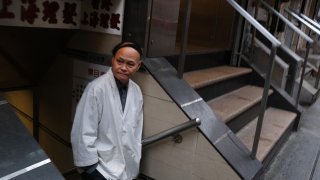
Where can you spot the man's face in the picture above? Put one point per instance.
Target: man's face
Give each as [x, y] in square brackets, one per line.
[125, 63]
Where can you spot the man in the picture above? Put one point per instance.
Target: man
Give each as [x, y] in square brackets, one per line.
[107, 128]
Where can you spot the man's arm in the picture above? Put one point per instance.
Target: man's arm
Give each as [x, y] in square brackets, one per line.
[85, 128]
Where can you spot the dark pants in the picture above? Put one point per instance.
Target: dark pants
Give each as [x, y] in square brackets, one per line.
[95, 175]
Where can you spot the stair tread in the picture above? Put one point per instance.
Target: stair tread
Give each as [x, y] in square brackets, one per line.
[232, 104]
[204, 77]
[276, 122]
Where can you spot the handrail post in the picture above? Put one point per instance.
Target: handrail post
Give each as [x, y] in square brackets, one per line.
[276, 28]
[184, 39]
[302, 73]
[275, 44]
[244, 33]
[254, 31]
[263, 102]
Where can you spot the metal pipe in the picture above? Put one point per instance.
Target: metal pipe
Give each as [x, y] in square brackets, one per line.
[255, 23]
[171, 132]
[263, 102]
[184, 39]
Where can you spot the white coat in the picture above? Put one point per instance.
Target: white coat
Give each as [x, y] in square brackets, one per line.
[102, 132]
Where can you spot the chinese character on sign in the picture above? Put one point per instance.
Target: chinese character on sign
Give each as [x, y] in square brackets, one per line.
[106, 4]
[104, 19]
[90, 72]
[50, 12]
[69, 12]
[115, 20]
[95, 72]
[4, 12]
[96, 15]
[102, 15]
[30, 12]
[95, 4]
[94, 19]
[85, 20]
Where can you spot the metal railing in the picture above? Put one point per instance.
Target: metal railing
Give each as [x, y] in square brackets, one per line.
[275, 44]
[315, 30]
[284, 19]
[301, 34]
[171, 132]
[304, 22]
[315, 24]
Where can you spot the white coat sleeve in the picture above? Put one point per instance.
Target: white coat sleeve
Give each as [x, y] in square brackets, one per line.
[85, 128]
[140, 119]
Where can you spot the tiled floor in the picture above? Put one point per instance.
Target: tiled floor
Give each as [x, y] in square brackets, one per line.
[299, 157]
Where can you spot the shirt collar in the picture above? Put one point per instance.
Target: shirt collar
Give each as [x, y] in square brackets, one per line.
[120, 84]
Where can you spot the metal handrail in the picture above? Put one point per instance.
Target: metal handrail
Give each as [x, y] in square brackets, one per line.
[310, 21]
[301, 34]
[275, 44]
[311, 27]
[317, 26]
[291, 25]
[303, 21]
[170, 132]
[255, 23]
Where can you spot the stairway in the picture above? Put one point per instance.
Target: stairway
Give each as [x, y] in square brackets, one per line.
[239, 106]
[309, 92]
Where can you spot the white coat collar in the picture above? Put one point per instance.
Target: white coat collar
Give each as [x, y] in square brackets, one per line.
[116, 95]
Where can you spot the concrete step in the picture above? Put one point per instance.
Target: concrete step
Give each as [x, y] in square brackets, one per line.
[275, 123]
[307, 86]
[236, 102]
[205, 77]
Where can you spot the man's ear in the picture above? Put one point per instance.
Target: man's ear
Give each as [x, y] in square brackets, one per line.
[112, 60]
[139, 65]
